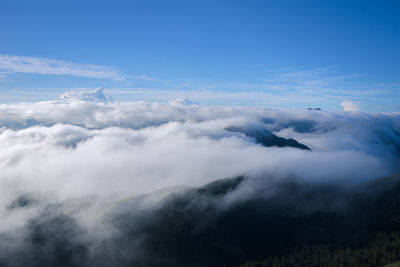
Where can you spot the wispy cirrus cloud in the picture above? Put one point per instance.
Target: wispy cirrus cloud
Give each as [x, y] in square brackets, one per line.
[327, 88]
[20, 64]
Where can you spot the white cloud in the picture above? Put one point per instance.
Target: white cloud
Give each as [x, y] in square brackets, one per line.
[141, 147]
[21, 64]
[349, 106]
[97, 95]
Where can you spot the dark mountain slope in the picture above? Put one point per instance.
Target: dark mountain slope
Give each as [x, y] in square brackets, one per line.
[266, 138]
[198, 228]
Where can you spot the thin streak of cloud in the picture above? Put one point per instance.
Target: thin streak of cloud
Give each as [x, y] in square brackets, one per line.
[21, 64]
[147, 78]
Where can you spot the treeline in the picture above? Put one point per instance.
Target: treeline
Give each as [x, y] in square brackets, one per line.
[383, 249]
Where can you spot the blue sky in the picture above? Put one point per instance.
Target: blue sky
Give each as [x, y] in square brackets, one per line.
[297, 54]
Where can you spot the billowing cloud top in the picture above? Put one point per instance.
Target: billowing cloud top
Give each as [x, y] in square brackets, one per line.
[97, 95]
[349, 106]
[88, 153]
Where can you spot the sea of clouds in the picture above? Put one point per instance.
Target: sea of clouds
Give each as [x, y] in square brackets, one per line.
[67, 165]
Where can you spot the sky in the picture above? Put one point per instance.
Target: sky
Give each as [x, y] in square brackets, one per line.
[111, 109]
[281, 54]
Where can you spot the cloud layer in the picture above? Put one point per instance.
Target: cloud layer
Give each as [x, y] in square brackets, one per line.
[75, 163]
